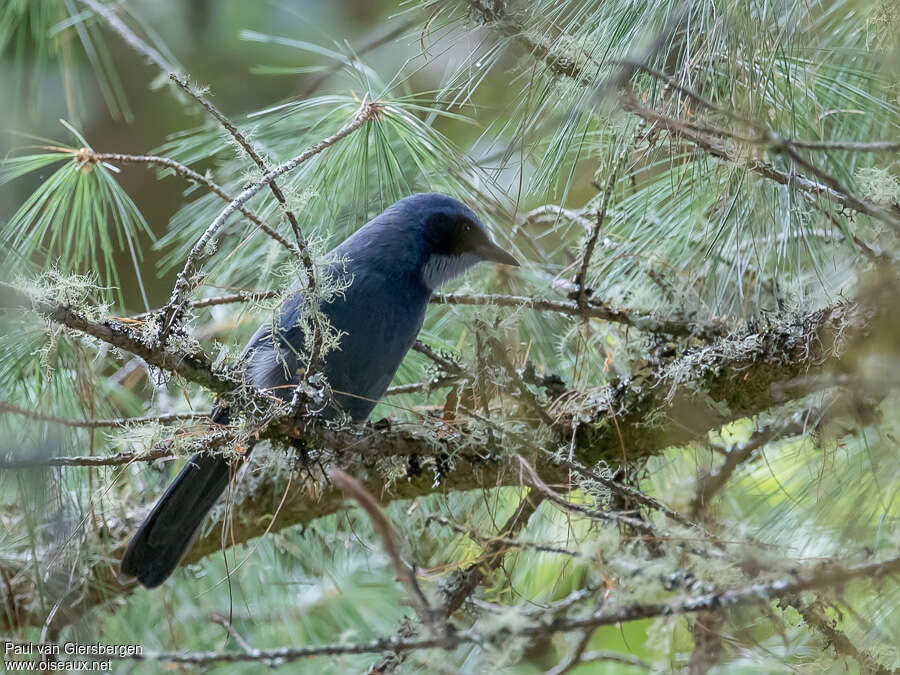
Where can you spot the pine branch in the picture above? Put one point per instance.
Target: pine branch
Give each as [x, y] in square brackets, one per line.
[185, 280]
[833, 574]
[189, 174]
[407, 575]
[563, 66]
[129, 36]
[242, 141]
[707, 387]
[814, 615]
[167, 418]
[193, 367]
[708, 139]
[596, 309]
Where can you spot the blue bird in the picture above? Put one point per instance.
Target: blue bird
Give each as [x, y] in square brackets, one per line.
[390, 266]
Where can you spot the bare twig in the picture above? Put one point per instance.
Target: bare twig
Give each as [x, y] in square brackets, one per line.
[845, 146]
[414, 387]
[596, 309]
[189, 174]
[458, 591]
[711, 483]
[117, 459]
[581, 277]
[232, 631]
[628, 492]
[166, 418]
[407, 575]
[165, 450]
[243, 296]
[449, 366]
[575, 658]
[509, 542]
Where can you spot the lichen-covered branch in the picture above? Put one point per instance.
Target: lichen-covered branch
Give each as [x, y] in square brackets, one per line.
[638, 417]
[816, 577]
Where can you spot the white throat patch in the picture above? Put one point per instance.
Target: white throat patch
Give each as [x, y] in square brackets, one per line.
[442, 268]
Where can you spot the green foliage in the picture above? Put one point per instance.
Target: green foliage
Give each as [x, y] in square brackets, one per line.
[38, 33]
[78, 218]
[509, 106]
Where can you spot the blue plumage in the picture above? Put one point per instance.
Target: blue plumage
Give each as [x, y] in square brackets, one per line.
[390, 268]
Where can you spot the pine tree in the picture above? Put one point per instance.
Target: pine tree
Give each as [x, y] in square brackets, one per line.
[666, 442]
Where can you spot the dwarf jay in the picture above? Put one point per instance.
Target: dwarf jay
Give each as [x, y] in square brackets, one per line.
[391, 266]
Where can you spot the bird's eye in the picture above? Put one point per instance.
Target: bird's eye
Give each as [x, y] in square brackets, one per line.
[468, 227]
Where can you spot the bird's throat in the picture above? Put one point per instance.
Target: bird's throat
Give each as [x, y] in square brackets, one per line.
[442, 268]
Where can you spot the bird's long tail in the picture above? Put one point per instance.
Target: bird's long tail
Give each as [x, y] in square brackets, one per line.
[168, 531]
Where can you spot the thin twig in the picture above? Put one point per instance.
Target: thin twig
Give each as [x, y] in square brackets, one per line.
[450, 367]
[801, 580]
[510, 542]
[457, 592]
[232, 631]
[185, 279]
[407, 575]
[166, 450]
[581, 277]
[845, 146]
[191, 175]
[628, 492]
[129, 36]
[166, 418]
[241, 140]
[117, 459]
[711, 483]
[524, 392]
[595, 308]
[597, 514]
[574, 659]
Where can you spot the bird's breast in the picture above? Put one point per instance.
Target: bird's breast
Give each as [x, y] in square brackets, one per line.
[376, 318]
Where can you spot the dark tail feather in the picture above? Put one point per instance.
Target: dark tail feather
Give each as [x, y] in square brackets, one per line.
[159, 544]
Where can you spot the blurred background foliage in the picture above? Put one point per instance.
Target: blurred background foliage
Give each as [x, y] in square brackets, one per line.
[466, 110]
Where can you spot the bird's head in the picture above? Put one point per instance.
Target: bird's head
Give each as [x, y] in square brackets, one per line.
[453, 237]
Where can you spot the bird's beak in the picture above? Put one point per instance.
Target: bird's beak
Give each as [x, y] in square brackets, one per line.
[493, 253]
